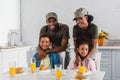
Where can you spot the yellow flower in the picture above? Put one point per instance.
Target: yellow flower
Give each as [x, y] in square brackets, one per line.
[103, 34]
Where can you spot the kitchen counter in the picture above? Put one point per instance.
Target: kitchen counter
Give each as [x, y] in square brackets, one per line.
[14, 48]
[41, 75]
[21, 55]
[103, 47]
[108, 47]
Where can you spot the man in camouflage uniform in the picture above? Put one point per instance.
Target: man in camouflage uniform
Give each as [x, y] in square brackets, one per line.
[59, 34]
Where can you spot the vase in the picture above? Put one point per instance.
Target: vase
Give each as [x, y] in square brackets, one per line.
[100, 42]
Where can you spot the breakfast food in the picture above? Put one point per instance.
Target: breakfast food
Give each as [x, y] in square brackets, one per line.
[42, 67]
[19, 70]
[79, 76]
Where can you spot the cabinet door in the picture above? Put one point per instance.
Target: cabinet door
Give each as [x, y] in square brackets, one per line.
[106, 63]
[7, 56]
[108, 70]
[23, 57]
[116, 65]
[0, 62]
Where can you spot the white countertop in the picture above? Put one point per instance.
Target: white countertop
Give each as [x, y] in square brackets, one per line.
[50, 75]
[103, 47]
[108, 47]
[15, 48]
[98, 47]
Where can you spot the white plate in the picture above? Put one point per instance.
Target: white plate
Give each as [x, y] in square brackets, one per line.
[88, 73]
[24, 73]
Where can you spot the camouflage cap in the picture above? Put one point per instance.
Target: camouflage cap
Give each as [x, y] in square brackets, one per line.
[80, 13]
[51, 15]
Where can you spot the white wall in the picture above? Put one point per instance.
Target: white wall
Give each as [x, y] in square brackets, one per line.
[9, 18]
[106, 14]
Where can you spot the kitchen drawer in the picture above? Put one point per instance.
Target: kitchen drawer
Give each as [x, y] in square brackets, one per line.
[106, 60]
[107, 69]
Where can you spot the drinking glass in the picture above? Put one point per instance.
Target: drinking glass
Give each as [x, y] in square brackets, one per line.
[82, 68]
[33, 65]
[58, 72]
[12, 68]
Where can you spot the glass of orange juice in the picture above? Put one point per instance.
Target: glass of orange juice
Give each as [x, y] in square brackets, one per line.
[12, 68]
[33, 65]
[58, 72]
[82, 69]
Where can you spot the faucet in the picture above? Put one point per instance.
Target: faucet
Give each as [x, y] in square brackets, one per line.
[9, 38]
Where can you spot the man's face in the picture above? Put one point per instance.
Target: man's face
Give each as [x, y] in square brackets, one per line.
[82, 22]
[51, 23]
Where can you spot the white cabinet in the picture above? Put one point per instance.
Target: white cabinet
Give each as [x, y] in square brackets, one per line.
[20, 55]
[8, 56]
[110, 63]
[0, 63]
[116, 65]
[106, 62]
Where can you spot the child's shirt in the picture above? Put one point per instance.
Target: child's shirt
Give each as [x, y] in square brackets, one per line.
[46, 61]
[89, 64]
[50, 60]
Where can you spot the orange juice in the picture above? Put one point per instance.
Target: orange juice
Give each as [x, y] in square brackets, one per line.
[33, 67]
[82, 69]
[12, 71]
[58, 74]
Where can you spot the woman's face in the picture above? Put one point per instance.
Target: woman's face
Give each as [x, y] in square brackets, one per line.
[51, 23]
[82, 22]
[44, 43]
[83, 50]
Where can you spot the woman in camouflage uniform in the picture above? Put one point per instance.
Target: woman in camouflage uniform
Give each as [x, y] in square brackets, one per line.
[84, 28]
